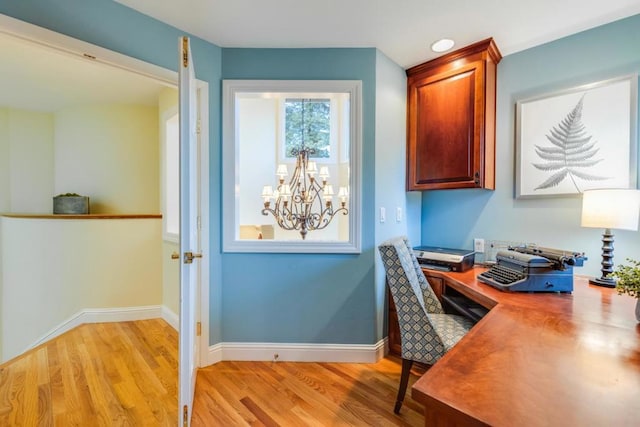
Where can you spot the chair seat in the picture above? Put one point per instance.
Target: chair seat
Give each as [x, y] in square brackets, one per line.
[450, 328]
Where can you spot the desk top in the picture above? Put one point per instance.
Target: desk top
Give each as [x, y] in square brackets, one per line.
[538, 360]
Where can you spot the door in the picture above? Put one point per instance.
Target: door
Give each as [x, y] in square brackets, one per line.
[189, 235]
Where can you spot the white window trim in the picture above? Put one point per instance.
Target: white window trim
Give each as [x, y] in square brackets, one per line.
[230, 150]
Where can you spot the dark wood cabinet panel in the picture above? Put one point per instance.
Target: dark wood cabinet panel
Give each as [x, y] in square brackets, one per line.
[437, 284]
[451, 120]
[393, 328]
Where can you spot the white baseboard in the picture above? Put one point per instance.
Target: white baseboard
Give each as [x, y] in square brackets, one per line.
[122, 314]
[170, 317]
[100, 315]
[214, 356]
[336, 353]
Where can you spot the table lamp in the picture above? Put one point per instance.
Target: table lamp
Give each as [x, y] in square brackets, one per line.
[609, 208]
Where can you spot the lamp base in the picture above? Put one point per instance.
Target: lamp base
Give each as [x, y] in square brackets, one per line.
[605, 282]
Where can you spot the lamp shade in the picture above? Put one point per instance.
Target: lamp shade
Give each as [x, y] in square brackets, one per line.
[611, 208]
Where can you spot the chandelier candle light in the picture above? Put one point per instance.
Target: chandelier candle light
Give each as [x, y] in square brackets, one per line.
[304, 203]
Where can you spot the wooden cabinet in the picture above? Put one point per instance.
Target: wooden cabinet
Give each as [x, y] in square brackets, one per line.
[395, 347]
[451, 109]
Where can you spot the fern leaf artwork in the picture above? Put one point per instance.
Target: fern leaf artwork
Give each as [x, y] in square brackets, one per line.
[571, 154]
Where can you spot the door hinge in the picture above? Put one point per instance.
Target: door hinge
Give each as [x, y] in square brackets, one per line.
[185, 52]
[198, 222]
[190, 256]
[198, 126]
[198, 329]
[185, 416]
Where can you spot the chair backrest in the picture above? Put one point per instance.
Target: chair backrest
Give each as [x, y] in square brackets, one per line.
[404, 273]
[413, 297]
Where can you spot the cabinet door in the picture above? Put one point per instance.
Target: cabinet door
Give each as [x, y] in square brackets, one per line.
[446, 125]
[451, 105]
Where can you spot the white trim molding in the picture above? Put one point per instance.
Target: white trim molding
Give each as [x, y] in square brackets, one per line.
[108, 315]
[283, 352]
[231, 89]
[171, 318]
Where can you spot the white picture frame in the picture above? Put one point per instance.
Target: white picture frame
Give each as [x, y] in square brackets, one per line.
[577, 139]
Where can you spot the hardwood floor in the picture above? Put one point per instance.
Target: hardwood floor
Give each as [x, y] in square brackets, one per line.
[302, 394]
[125, 374]
[100, 374]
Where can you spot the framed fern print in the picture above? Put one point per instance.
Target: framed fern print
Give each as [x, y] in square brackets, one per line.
[577, 139]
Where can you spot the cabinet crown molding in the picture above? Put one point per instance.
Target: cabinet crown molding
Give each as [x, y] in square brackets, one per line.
[479, 50]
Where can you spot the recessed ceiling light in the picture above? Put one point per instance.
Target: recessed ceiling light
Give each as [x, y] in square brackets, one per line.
[442, 45]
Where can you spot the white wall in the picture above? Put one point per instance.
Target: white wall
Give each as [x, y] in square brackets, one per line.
[258, 145]
[26, 164]
[5, 192]
[170, 278]
[26, 167]
[167, 104]
[111, 154]
[81, 264]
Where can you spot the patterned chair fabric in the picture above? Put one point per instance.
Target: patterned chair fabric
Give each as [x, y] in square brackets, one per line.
[426, 332]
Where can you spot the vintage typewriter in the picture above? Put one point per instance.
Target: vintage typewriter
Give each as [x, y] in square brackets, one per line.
[532, 268]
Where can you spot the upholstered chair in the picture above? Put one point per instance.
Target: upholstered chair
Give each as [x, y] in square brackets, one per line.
[426, 331]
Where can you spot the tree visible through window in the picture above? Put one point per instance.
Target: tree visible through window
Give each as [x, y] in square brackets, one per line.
[307, 122]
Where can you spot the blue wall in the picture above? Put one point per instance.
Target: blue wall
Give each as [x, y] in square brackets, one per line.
[453, 218]
[305, 298]
[390, 174]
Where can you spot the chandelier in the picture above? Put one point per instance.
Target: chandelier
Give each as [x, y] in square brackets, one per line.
[304, 203]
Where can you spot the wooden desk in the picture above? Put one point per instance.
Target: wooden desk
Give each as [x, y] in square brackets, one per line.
[538, 360]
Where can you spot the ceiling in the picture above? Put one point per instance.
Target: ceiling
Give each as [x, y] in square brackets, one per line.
[39, 78]
[402, 29]
[42, 79]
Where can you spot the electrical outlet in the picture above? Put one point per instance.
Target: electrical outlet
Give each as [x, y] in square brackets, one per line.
[383, 214]
[478, 245]
[398, 214]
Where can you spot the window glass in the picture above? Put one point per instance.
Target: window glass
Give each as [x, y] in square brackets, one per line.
[308, 124]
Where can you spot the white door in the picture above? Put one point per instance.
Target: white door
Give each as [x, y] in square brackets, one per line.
[189, 235]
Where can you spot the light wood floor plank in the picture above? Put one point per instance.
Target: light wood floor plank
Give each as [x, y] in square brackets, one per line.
[216, 409]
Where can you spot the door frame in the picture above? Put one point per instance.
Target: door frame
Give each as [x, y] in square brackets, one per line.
[90, 52]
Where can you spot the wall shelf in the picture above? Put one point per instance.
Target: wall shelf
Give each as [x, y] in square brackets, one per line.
[86, 216]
